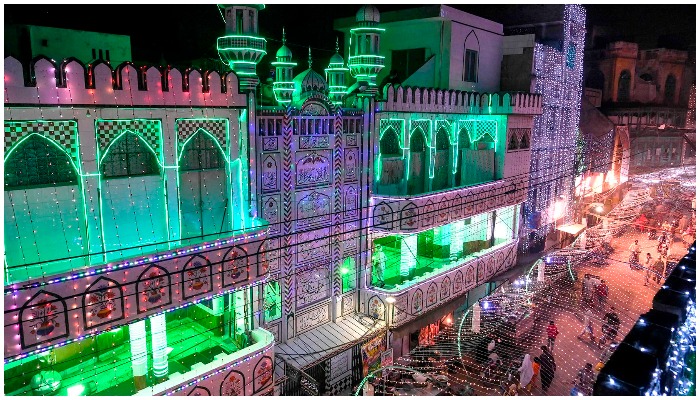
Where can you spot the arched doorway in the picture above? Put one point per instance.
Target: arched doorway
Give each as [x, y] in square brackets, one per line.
[392, 163]
[44, 215]
[132, 199]
[417, 169]
[442, 165]
[204, 188]
[670, 90]
[463, 143]
[623, 86]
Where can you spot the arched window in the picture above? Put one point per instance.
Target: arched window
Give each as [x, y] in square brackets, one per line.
[513, 142]
[670, 90]
[389, 144]
[442, 163]
[470, 72]
[203, 189]
[129, 156]
[442, 140]
[38, 162]
[525, 142]
[623, 86]
[595, 79]
[201, 153]
[417, 141]
[463, 143]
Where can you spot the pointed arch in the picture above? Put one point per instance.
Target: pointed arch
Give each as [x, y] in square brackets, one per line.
[418, 163]
[389, 144]
[670, 89]
[463, 143]
[129, 155]
[623, 86]
[470, 60]
[417, 141]
[441, 163]
[37, 161]
[103, 303]
[200, 152]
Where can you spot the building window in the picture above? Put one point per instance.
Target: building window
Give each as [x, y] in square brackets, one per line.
[406, 62]
[201, 153]
[38, 162]
[670, 89]
[471, 65]
[239, 21]
[623, 86]
[129, 157]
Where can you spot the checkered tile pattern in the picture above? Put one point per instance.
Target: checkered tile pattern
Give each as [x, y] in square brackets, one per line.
[484, 128]
[423, 124]
[342, 387]
[394, 124]
[148, 129]
[65, 133]
[447, 126]
[188, 127]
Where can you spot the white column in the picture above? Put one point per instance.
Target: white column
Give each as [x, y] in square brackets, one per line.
[476, 318]
[159, 342]
[409, 254]
[139, 355]
[457, 239]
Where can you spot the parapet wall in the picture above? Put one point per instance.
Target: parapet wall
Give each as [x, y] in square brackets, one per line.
[399, 98]
[98, 85]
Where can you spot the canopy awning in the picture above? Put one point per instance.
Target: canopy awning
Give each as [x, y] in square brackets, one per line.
[573, 229]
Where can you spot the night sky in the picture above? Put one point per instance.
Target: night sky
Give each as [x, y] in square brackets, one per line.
[177, 33]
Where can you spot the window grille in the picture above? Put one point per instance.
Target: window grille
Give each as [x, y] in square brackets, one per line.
[36, 163]
[129, 157]
[201, 153]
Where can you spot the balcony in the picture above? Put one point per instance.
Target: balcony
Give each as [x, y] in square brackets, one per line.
[241, 53]
[438, 285]
[103, 297]
[401, 261]
[410, 214]
[234, 42]
[365, 66]
[102, 365]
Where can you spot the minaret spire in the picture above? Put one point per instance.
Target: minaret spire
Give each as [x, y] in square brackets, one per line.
[337, 46]
[310, 57]
[284, 37]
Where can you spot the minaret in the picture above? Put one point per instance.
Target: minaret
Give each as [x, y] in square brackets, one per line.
[242, 49]
[365, 61]
[284, 73]
[335, 75]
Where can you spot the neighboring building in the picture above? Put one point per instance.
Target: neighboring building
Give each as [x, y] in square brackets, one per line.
[448, 48]
[548, 59]
[167, 234]
[26, 42]
[653, 93]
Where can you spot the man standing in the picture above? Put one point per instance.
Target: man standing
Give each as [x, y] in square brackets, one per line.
[648, 266]
[659, 267]
[547, 368]
[552, 333]
[601, 292]
[634, 252]
[585, 380]
[379, 263]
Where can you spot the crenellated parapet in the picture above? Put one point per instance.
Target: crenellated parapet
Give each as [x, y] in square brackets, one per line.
[70, 82]
[417, 99]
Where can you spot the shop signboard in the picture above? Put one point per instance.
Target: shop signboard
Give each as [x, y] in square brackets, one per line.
[371, 354]
[388, 358]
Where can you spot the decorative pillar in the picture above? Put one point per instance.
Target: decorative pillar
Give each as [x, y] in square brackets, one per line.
[139, 355]
[159, 344]
[409, 254]
[476, 318]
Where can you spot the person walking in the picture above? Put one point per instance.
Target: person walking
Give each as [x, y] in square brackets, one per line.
[648, 266]
[659, 267]
[601, 292]
[526, 372]
[547, 368]
[379, 263]
[634, 252]
[552, 333]
[587, 325]
[535, 372]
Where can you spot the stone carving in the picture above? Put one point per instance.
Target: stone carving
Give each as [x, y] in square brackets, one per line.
[409, 217]
[313, 245]
[196, 277]
[153, 287]
[44, 319]
[351, 171]
[417, 304]
[313, 285]
[313, 209]
[270, 183]
[313, 318]
[313, 170]
[445, 287]
[383, 217]
[351, 206]
[459, 283]
[269, 144]
[432, 295]
[313, 142]
[235, 266]
[262, 374]
[103, 303]
[271, 213]
[376, 308]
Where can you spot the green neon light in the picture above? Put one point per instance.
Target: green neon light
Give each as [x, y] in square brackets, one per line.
[336, 69]
[283, 63]
[63, 150]
[367, 29]
[360, 65]
[242, 62]
[243, 36]
[365, 55]
[241, 49]
[245, 73]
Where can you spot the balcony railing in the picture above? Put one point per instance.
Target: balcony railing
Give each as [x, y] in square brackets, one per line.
[236, 42]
